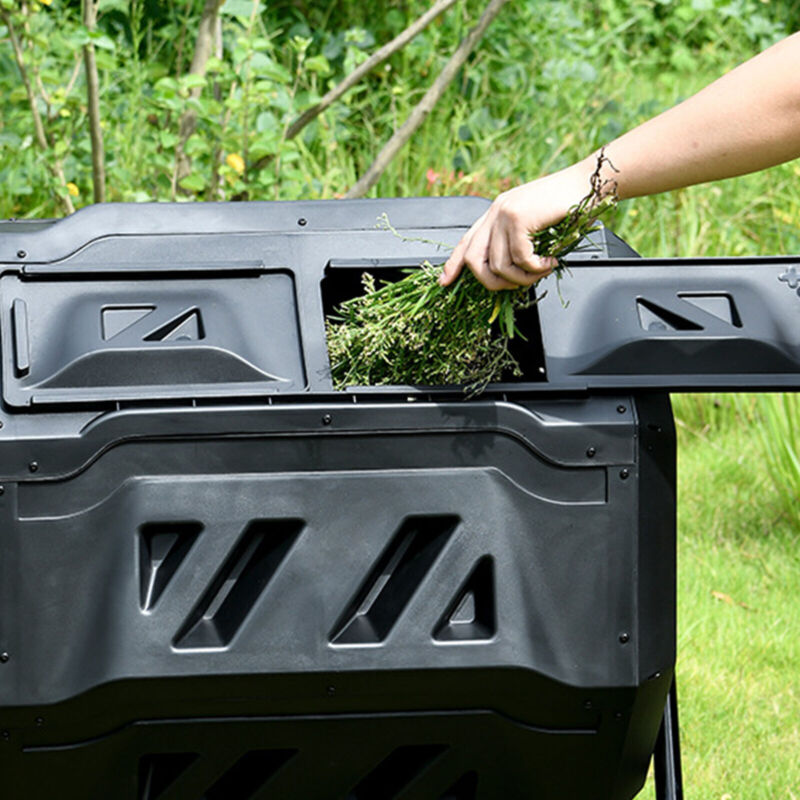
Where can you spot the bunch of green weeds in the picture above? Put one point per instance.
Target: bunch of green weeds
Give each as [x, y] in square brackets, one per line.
[414, 331]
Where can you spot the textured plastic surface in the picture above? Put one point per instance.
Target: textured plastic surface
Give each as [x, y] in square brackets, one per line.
[628, 323]
[71, 341]
[221, 579]
[343, 600]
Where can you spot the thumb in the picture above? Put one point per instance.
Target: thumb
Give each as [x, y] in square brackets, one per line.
[450, 272]
[453, 266]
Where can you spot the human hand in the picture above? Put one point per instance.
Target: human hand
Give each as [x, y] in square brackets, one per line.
[498, 247]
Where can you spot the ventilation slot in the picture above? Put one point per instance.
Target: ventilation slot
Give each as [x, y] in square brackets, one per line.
[116, 319]
[239, 583]
[186, 326]
[471, 614]
[465, 788]
[248, 774]
[394, 579]
[157, 772]
[396, 772]
[654, 318]
[162, 548]
[720, 306]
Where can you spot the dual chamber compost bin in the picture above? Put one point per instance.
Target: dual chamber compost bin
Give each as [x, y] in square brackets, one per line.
[221, 579]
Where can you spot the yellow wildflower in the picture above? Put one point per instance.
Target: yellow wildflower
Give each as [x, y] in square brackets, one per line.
[784, 216]
[235, 162]
[71, 187]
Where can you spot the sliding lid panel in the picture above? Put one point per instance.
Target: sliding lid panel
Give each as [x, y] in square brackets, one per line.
[678, 324]
[84, 341]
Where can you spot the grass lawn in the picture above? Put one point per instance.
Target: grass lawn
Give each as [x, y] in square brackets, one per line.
[738, 619]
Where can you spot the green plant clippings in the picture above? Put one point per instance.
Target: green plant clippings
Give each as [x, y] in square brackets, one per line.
[415, 331]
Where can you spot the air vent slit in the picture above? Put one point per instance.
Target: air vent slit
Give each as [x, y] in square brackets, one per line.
[396, 771]
[249, 774]
[188, 325]
[163, 547]
[471, 615]
[158, 771]
[240, 582]
[116, 319]
[394, 579]
[655, 318]
[465, 788]
[718, 304]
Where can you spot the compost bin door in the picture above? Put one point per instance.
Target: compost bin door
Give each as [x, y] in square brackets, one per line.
[675, 324]
[148, 338]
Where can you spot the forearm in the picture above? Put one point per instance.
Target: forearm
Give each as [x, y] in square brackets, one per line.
[747, 120]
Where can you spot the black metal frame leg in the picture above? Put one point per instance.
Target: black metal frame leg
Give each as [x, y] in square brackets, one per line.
[669, 781]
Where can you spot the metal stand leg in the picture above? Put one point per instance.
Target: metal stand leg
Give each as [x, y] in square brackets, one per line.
[669, 781]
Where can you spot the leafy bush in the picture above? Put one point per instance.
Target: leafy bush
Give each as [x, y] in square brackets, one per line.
[551, 81]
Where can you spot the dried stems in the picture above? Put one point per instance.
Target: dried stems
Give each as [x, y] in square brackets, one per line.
[93, 103]
[420, 112]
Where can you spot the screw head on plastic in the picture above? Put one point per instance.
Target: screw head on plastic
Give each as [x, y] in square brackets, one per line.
[4, 658]
[624, 474]
[621, 409]
[2, 489]
[21, 254]
[327, 419]
[33, 466]
[302, 222]
[591, 452]
[624, 638]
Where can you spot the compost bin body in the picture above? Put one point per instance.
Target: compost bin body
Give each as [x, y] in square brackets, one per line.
[220, 578]
[403, 597]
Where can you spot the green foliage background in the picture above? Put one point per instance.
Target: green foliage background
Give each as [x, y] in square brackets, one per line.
[550, 81]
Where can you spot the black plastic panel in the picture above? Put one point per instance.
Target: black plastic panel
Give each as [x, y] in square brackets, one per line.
[69, 341]
[222, 579]
[427, 598]
[471, 755]
[626, 323]
[677, 325]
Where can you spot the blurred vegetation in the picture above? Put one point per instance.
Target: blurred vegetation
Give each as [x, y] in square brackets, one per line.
[549, 82]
